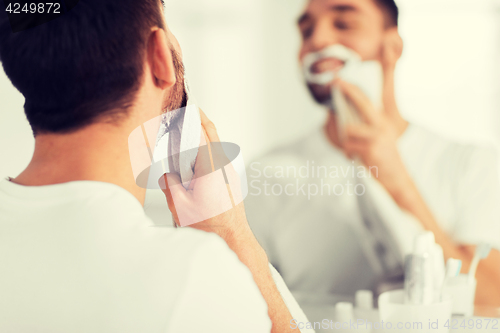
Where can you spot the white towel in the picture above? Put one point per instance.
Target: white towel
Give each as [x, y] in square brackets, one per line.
[178, 142]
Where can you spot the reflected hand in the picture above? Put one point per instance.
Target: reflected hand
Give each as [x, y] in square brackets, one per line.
[374, 140]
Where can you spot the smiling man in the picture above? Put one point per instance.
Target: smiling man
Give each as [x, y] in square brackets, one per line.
[310, 219]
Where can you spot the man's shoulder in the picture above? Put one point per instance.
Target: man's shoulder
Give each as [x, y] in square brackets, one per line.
[425, 146]
[188, 239]
[94, 212]
[431, 138]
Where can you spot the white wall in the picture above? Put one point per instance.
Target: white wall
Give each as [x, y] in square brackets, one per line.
[448, 78]
[16, 140]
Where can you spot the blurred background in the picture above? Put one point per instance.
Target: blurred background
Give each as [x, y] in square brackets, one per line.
[241, 61]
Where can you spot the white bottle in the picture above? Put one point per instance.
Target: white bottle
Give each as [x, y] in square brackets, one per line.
[438, 270]
[345, 320]
[364, 307]
[419, 272]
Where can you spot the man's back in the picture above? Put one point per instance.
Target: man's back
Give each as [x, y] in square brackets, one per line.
[83, 257]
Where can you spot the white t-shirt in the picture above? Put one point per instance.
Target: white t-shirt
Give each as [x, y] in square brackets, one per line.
[303, 208]
[83, 257]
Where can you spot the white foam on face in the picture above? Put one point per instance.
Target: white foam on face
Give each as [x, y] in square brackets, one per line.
[336, 51]
[367, 75]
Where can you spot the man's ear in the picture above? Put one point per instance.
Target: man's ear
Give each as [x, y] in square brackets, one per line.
[392, 49]
[160, 59]
[393, 44]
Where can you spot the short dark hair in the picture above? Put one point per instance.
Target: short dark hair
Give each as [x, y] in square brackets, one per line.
[83, 66]
[391, 12]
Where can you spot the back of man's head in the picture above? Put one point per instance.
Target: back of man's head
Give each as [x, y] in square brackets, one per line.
[83, 66]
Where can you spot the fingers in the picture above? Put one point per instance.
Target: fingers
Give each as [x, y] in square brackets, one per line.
[391, 52]
[354, 149]
[358, 140]
[392, 49]
[359, 132]
[211, 156]
[169, 185]
[360, 101]
[209, 127]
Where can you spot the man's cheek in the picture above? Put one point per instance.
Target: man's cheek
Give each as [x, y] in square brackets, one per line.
[368, 48]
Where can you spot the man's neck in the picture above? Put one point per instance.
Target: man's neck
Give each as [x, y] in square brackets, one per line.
[97, 153]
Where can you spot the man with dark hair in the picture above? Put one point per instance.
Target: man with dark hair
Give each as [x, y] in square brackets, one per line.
[77, 252]
[317, 214]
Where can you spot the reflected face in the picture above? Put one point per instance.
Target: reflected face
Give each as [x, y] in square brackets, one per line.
[356, 24]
